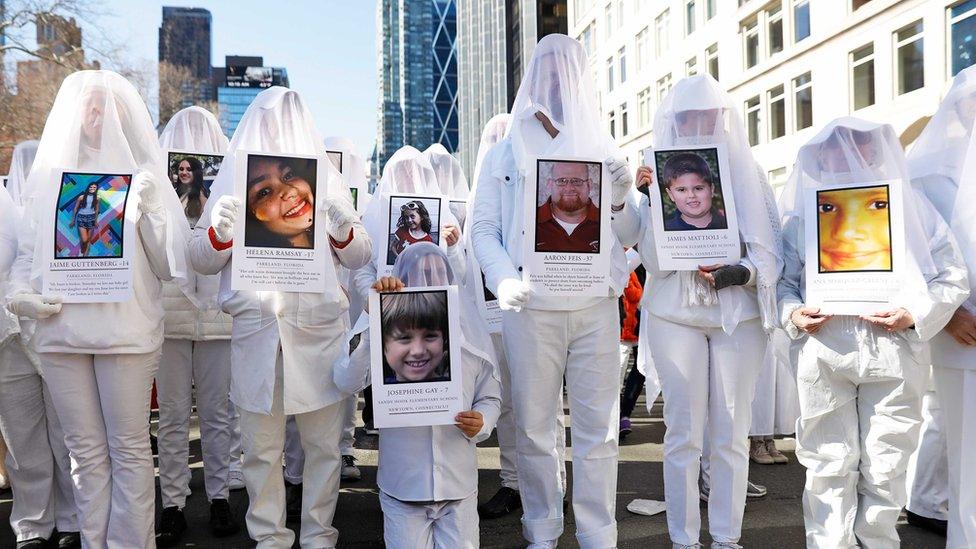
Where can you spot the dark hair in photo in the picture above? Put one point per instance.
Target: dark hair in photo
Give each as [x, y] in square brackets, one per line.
[416, 206]
[92, 194]
[256, 232]
[416, 311]
[683, 164]
[194, 207]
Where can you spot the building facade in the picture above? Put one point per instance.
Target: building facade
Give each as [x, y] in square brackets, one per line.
[237, 84]
[791, 66]
[417, 63]
[185, 41]
[496, 37]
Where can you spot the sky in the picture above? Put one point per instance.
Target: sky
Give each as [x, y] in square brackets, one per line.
[328, 47]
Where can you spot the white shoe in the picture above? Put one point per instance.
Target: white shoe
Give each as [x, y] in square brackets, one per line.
[551, 544]
[235, 480]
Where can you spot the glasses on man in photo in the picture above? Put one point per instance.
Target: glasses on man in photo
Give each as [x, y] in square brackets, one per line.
[571, 181]
[410, 206]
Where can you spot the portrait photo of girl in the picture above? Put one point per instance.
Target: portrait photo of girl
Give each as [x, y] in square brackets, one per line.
[90, 215]
[416, 337]
[192, 175]
[280, 202]
[412, 220]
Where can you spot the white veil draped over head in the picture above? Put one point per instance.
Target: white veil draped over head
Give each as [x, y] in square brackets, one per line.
[851, 150]
[447, 171]
[353, 166]
[20, 166]
[557, 82]
[426, 264]
[194, 129]
[942, 164]
[99, 123]
[698, 112]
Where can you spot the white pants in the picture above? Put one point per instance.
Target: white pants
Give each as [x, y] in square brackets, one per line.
[505, 426]
[928, 469]
[707, 376]
[295, 456]
[186, 365]
[438, 525]
[263, 436]
[775, 408]
[543, 347]
[103, 404]
[37, 459]
[957, 392]
[859, 403]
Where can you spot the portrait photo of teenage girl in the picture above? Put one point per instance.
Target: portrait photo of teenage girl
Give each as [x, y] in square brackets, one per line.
[280, 202]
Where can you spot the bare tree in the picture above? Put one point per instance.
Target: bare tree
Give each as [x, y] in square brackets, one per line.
[177, 89]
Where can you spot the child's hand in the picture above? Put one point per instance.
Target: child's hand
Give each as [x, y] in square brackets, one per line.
[470, 423]
[389, 284]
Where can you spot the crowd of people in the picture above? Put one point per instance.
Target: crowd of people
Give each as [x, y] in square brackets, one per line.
[735, 349]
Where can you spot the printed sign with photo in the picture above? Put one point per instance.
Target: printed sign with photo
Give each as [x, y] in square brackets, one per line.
[281, 245]
[415, 357]
[855, 246]
[567, 233]
[692, 208]
[412, 218]
[192, 174]
[90, 262]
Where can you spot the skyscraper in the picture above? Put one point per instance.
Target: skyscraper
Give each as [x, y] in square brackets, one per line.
[184, 42]
[238, 83]
[417, 75]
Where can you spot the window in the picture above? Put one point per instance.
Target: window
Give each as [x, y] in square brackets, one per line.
[608, 19]
[750, 37]
[691, 66]
[752, 120]
[661, 30]
[643, 44]
[777, 180]
[622, 61]
[587, 39]
[711, 60]
[803, 101]
[801, 19]
[689, 16]
[777, 112]
[962, 40]
[774, 29]
[856, 4]
[613, 124]
[644, 107]
[909, 58]
[711, 8]
[623, 120]
[610, 74]
[862, 77]
[663, 87]
[621, 7]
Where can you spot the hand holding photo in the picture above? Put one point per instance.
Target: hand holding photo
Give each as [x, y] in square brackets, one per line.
[280, 204]
[854, 230]
[568, 206]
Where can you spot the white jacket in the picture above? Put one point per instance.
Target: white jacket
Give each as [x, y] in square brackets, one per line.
[309, 330]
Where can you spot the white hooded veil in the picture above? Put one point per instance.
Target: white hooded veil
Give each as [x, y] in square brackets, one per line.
[850, 150]
[99, 123]
[20, 166]
[353, 167]
[698, 112]
[447, 171]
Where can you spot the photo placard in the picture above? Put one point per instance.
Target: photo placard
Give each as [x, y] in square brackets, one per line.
[412, 218]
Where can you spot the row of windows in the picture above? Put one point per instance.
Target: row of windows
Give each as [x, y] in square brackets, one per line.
[765, 33]
[788, 109]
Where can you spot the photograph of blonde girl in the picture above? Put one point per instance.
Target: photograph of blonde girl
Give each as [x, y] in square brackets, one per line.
[415, 337]
[280, 202]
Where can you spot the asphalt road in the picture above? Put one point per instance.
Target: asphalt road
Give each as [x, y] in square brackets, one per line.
[775, 521]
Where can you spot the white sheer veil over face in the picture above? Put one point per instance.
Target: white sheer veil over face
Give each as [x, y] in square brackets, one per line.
[20, 165]
[425, 264]
[447, 171]
[698, 112]
[942, 162]
[99, 123]
[851, 150]
[277, 122]
[558, 84]
[193, 129]
[353, 167]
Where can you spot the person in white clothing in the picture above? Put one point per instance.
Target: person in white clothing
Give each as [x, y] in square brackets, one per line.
[21, 161]
[99, 359]
[195, 359]
[284, 345]
[427, 476]
[37, 459]
[705, 327]
[941, 165]
[549, 338]
[861, 378]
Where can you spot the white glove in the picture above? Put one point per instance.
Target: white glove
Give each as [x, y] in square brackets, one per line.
[513, 294]
[223, 216]
[340, 215]
[34, 306]
[621, 180]
[144, 187]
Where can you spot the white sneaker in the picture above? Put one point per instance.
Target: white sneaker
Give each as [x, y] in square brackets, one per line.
[551, 544]
[235, 480]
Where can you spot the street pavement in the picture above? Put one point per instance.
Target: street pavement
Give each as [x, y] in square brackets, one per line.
[775, 521]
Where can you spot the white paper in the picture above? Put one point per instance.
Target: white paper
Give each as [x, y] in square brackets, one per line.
[88, 249]
[677, 211]
[416, 374]
[855, 264]
[646, 507]
[561, 263]
[411, 218]
[280, 238]
[487, 302]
